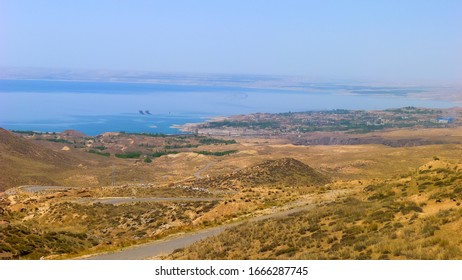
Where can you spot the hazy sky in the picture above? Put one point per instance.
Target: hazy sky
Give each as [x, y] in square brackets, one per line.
[359, 40]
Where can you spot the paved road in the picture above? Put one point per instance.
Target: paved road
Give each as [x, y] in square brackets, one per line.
[35, 189]
[121, 200]
[169, 245]
[159, 247]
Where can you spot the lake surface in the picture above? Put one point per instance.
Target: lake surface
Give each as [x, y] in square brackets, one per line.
[97, 107]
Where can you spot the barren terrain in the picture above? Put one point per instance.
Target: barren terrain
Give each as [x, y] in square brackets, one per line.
[67, 195]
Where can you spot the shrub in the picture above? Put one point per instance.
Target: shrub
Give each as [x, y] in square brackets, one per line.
[162, 153]
[429, 230]
[209, 141]
[219, 153]
[129, 155]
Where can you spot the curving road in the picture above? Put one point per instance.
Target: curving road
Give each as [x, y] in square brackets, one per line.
[121, 200]
[167, 246]
[159, 247]
[36, 189]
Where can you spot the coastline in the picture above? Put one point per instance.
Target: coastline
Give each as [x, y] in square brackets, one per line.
[190, 127]
[186, 107]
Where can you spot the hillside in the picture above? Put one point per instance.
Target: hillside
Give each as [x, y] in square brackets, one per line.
[414, 216]
[24, 162]
[20, 147]
[265, 185]
[56, 223]
[287, 172]
[359, 201]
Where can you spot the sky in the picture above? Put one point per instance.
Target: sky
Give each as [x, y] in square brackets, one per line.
[380, 40]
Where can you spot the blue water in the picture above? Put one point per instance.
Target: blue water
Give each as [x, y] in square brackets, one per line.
[97, 107]
[56, 86]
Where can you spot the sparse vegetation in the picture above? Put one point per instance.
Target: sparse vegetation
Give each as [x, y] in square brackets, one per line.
[129, 155]
[347, 121]
[58, 140]
[27, 132]
[69, 228]
[371, 201]
[209, 141]
[184, 146]
[218, 153]
[162, 153]
[382, 223]
[25, 242]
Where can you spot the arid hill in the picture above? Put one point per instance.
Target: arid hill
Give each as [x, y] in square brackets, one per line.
[417, 215]
[73, 133]
[24, 162]
[287, 172]
[17, 146]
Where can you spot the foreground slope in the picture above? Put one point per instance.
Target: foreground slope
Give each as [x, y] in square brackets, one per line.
[71, 222]
[24, 162]
[413, 216]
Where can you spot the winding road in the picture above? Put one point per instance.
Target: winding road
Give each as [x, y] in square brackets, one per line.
[167, 246]
[36, 189]
[121, 200]
[160, 247]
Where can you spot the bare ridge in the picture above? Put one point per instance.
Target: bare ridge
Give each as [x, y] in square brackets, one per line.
[287, 172]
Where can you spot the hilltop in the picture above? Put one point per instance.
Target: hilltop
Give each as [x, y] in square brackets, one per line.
[287, 172]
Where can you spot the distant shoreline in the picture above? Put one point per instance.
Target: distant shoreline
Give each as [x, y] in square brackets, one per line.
[95, 107]
[198, 127]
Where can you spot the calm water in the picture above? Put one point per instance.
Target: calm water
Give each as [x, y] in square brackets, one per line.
[96, 107]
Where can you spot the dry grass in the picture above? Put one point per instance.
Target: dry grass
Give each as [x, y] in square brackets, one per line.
[71, 228]
[410, 207]
[386, 221]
